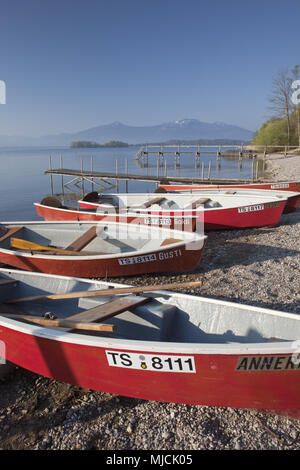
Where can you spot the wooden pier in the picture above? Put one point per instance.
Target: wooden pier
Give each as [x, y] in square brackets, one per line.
[181, 150]
[178, 150]
[103, 181]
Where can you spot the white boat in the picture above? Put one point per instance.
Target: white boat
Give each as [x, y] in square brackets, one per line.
[216, 210]
[158, 345]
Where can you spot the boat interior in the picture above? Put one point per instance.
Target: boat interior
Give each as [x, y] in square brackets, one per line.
[153, 316]
[239, 191]
[178, 201]
[88, 238]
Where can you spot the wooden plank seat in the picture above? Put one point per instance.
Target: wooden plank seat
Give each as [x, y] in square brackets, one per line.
[197, 203]
[156, 200]
[8, 232]
[83, 240]
[109, 309]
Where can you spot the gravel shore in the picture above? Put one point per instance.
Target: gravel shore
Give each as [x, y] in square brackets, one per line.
[281, 168]
[259, 267]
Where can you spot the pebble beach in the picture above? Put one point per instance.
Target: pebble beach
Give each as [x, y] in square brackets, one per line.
[258, 267]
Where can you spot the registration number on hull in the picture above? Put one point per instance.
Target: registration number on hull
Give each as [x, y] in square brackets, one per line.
[148, 258]
[258, 207]
[280, 186]
[164, 221]
[138, 259]
[151, 362]
[156, 221]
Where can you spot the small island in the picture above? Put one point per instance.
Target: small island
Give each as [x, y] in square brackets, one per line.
[88, 144]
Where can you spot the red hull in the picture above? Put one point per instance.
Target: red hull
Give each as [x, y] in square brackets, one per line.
[215, 381]
[176, 259]
[291, 205]
[173, 222]
[57, 214]
[231, 218]
[269, 215]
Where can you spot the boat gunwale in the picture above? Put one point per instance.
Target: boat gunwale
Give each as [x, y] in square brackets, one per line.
[274, 347]
[266, 200]
[286, 194]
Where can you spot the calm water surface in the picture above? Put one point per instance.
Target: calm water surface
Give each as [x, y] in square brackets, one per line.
[23, 182]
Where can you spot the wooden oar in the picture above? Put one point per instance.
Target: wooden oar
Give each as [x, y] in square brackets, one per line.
[61, 323]
[26, 245]
[113, 291]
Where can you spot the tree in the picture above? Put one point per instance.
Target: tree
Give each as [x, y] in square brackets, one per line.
[280, 99]
[272, 133]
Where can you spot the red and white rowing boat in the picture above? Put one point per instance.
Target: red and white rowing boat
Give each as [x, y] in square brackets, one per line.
[58, 212]
[216, 210]
[290, 189]
[98, 249]
[160, 345]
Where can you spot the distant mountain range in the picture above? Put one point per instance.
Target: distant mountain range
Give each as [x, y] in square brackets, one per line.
[186, 129]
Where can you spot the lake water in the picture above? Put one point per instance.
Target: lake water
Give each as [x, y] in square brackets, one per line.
[23, 182]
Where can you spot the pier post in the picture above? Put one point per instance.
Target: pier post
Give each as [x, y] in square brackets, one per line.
[117, 172]
[209, 169]
[82, 179]
[62, 178]
[161, 159]
[256, 170]
[51, 179]
[240, 160]
[126, 170]
[219, 159]
[92, 170]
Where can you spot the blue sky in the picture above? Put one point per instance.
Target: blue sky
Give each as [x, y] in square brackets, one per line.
[69, 65]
